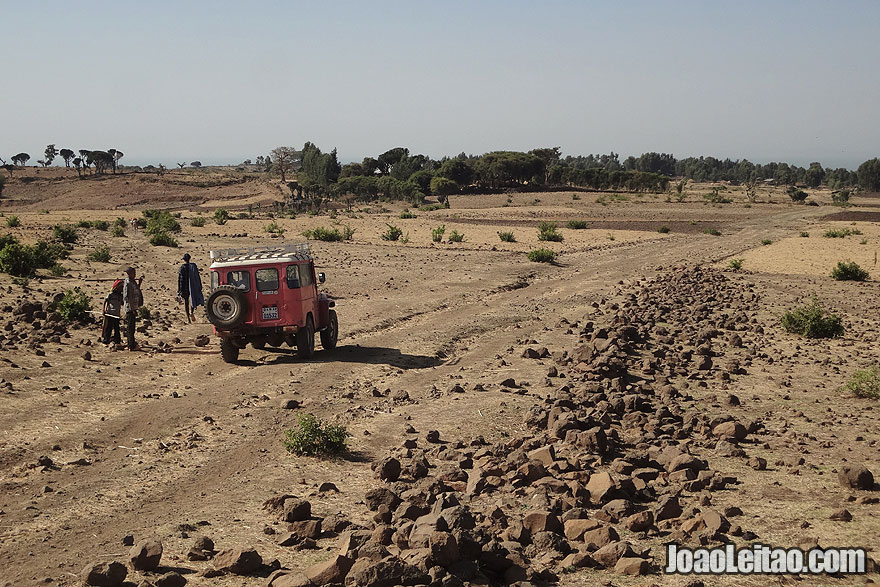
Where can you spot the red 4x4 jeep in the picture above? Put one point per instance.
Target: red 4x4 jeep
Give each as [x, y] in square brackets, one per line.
[268, 295]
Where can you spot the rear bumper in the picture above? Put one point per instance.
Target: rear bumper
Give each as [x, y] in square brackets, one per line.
[249, 331]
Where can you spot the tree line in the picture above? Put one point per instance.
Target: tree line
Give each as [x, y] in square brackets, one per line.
[101, 160]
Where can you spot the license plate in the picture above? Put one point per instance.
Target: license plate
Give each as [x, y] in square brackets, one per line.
[270, 312]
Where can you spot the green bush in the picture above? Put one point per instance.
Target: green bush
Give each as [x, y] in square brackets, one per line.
[197, 221]
[406, 215]
[120, 221]
[437, 233]
[57, 270]
[17, 260]
[117, 230]
[547, 232]
[84, 224]
[575, 197]
[324, 234]
[805, 234]
[736, 264]
[712, 231]
[143, 313]
[274, 228]
[865, 382]
[840, 232]
[392, 234]
[6, 239]
[811, 320]
[507, 237]
[100, 225]
[849, 271]
[576, 224]
[663, 229]
[65, 233]
[221, 216]
[163, 239]
[796, 194]
[432, 207]
[100, 254]
[542, 256]
[312, 437]
[455, 237]
[75, 305]
[47, 254]
[161, 221]
[13, 222]
[766, 241]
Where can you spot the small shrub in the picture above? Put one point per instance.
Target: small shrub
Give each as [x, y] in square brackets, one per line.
[117, 230]
[437, 233]
[21, 281]
[100, 225]
[44, 211]
[161, 221]
[712, 231]
[576, 224]
[274, 228]
[811, 320]
[840, 232]
[120, 221]
[46, 254]
[244, 216]
[392, 234]
[611, 236]
[766, 241]
[144, 313]
[221, 216]
[542, 256]
[163, 239]
[13, 222]
[75, 305]
[197, 221]
[456, 237]
[663, 229]
[312, 437]
[547, 232]
[507, 237]
[840, 197]
[575, 197]
[805, 234]
[865, 382]
[347, 233]
[324, 234]
[84, 224]
[796, 194]
[406, 215]
[736, 264]
[100, 254]
[864, 241]
[65, 233]
[17, 260]
[57, 270]
[7, 239]
[849, 271]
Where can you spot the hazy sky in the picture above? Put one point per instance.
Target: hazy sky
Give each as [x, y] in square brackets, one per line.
[224, 81]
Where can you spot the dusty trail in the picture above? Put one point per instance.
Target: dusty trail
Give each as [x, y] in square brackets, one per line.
[229, 418]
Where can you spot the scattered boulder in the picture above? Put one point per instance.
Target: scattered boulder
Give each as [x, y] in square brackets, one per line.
[333, 570]
[238, 561]
[855, 477]
[145, 555]
[104, 574]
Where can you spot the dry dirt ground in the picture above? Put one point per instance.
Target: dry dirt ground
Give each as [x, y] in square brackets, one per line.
[171, 442]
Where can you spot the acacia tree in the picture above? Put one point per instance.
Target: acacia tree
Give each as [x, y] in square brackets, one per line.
[284, 159]
[67, 155]
[77, 162]
[21, 159]
[50, 154]
[100, 159]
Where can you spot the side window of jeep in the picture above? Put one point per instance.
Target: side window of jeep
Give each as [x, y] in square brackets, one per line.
[292, 277]
[306, 274]
[267, 279]
[239, 279]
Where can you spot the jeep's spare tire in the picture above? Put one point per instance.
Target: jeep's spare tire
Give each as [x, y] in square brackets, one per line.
[226, 307]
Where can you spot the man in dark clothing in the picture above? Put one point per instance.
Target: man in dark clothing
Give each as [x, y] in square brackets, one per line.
[189, 288]
[132, 299]
[113, 314]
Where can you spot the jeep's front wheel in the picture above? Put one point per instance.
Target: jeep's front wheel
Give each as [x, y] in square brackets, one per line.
[228, 351]
[330, 335]
[305, 340]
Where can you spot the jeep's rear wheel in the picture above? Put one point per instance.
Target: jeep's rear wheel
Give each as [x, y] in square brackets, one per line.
[228, 351]
[226, 307]
[330, 335]
[305, 340]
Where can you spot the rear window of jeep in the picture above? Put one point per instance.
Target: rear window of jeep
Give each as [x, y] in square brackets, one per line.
[239, 279]
[267, 279]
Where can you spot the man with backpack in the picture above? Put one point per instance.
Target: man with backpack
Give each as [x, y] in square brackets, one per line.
[132, 299]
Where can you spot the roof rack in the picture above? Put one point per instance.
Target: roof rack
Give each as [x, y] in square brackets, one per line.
[268, 252]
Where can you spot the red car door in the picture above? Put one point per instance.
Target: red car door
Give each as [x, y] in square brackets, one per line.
[268, 298]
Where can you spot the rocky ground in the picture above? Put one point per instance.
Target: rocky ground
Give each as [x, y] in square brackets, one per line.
[512, 422]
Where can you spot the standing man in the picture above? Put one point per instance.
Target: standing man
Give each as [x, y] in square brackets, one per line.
[132, 299]
[189, 288]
